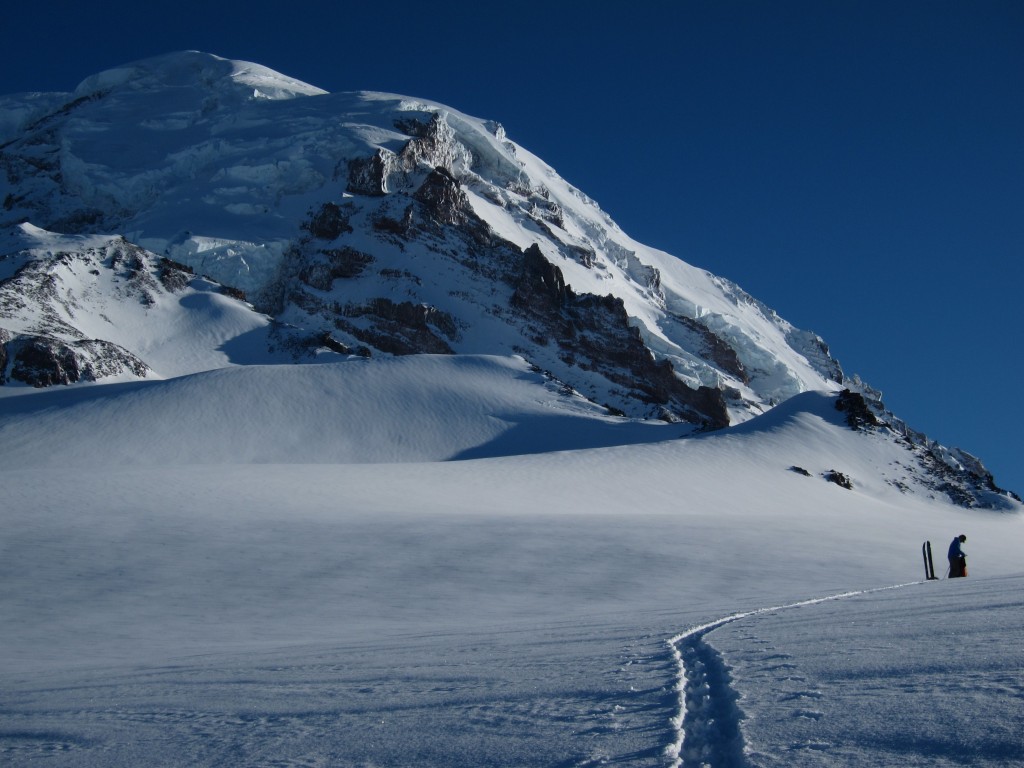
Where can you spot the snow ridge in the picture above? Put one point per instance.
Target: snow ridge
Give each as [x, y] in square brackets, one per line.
[708, 724]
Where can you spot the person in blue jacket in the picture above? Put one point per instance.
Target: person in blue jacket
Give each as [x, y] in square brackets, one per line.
[957, 560]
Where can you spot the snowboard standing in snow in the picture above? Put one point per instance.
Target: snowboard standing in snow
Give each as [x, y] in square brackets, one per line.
[929, 564]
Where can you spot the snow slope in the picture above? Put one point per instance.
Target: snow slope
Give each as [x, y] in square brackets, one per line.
[166, 606]
[927, 674]
[422, 408]
[81, 287]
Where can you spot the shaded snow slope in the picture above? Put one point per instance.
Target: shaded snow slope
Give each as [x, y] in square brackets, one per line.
[475, 613]
[916, 674]
[427, 408]
[423, 408]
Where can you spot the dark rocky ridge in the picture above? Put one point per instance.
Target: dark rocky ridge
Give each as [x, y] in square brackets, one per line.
[953, 473]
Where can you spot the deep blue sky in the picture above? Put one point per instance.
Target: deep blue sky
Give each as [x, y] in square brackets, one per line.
[858, 166]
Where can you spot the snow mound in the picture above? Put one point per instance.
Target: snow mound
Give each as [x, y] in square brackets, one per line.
[422, 408]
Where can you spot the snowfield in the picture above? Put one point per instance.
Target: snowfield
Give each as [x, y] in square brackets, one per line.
[450, 561]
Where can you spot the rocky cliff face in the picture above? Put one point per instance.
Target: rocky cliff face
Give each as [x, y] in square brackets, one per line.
[424, 199]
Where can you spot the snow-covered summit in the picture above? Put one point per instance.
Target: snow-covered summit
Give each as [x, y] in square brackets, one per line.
[189, 69]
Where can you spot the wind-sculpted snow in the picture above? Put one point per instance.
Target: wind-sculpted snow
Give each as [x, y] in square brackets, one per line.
[708, 726]
[188, 581]
[405, 409]
[926, 674]
[432, 408]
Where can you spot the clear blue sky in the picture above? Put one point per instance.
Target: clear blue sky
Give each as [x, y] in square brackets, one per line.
[859, 166]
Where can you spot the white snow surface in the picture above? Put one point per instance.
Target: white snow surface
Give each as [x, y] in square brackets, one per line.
[449, 561]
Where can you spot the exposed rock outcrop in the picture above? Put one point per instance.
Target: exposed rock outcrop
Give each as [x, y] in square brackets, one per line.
[594, 333]
[858, 414]
[400, 329]
[716, 349]
[433, 145]
[174, 276]
[329, 222]
[41, 361]
[540, 287]
[368, 176]
[5, 338]
[952, 472]
[328, 265]
[837, 477]
[442, 197]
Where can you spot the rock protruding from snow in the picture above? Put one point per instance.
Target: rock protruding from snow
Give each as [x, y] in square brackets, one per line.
[42, 361]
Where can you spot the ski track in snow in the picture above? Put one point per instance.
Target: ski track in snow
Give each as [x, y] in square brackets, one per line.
[708, 724]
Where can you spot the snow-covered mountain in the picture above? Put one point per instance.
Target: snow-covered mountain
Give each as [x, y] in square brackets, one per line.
[187, 213]
[485, 554]
[372, 224]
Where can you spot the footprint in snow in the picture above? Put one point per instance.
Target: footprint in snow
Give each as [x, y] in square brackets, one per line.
[808, 714]
[798, 695]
